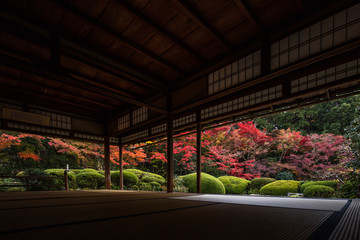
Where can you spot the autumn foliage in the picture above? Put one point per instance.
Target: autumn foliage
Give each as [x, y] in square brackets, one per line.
[240, 150]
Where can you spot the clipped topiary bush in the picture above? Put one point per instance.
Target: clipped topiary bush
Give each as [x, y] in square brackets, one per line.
[130, 178]
[331, 184]
[60, 173]
[258, 183]
[147, 176]
[319, 191]
[234, 185]
[92, 180]
[209, 184]
[89, 170]
[280, 188]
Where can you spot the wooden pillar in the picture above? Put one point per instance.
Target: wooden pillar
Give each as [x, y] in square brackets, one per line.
[170, 155]
[198, 157]
[107, 162]
[121, 184]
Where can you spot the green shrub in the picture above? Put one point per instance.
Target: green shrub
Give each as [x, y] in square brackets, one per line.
[147, 176]
[92, 180]
[34, 182]
[234, 185]
[60, 173]
[209, 184]
[153, 179]
[11, 181]
[89, 170]
[76, 171]
[319, 191]
[280, 188]
[331, 184]
[179, 185]
[155, 186]
[348, 190]
[284, 176]
[102, 172]
[137, 172]
[258, 183]
[130, 178]
[145, 186]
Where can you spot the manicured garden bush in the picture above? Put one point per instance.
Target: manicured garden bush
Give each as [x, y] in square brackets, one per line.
[331, 184]
[319, 191]
[209, 184]
[130, 178]
[89, 170]
[92, 180]
[234, 185]
[147, 176]
[348, 190]
[258, 183]
[60, 173]
[280, 188]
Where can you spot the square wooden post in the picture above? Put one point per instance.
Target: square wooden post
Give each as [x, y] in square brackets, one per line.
[198, 153]
[107, 162]
[121, 183]
[170, 155]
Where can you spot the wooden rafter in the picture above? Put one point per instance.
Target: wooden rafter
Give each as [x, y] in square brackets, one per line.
[156, 28]
[201, 22]
[6, 60]
[249, 14]
[35, 31]
[96, 24]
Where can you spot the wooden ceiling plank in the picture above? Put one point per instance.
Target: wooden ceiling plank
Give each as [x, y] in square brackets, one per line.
[250, 15]
[158, 29]
[9, 61]
[201, 22]
[115, 34]
[41, 34]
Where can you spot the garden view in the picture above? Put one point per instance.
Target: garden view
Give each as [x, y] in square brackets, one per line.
[313, 150]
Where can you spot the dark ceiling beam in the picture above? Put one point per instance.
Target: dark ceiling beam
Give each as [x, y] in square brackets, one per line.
[9, 61]
[250, 15]
[333, 53]
[30, 97]
[276, 33]
[96, 24]
[124, 5]
[21, 83]
[201, 22]
[41, 34]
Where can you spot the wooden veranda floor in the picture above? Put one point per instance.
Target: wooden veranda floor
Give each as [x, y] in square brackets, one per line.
[108, 214]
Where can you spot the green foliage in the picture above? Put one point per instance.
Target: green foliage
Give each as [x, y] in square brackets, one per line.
[209, 184]
[331, 184]
[234, 185]
[280, 188]
[348, 190]
[92, 180]
[147, 176]
[331, 117]
[179, 185]
[76, 171]
[258, 183]
[60, 173]
[319, 191]
[130, 178]
[284, 176]
[11, 181]
[89, 170]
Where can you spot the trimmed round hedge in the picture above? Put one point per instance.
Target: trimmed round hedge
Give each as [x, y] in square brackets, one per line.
[90, 179]
[234, 185]
[319, 191]
[60, 173]
[147, 176]
[257, 183]
[331, 184]
[280, 188]
[130, 178]
[209, 184]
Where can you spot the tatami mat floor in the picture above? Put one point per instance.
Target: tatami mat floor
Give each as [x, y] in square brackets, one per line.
[151, 215]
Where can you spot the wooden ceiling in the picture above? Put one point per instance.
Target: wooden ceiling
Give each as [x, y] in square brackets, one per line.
[98, 58]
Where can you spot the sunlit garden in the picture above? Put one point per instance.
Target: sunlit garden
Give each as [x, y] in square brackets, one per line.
[310, 152]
